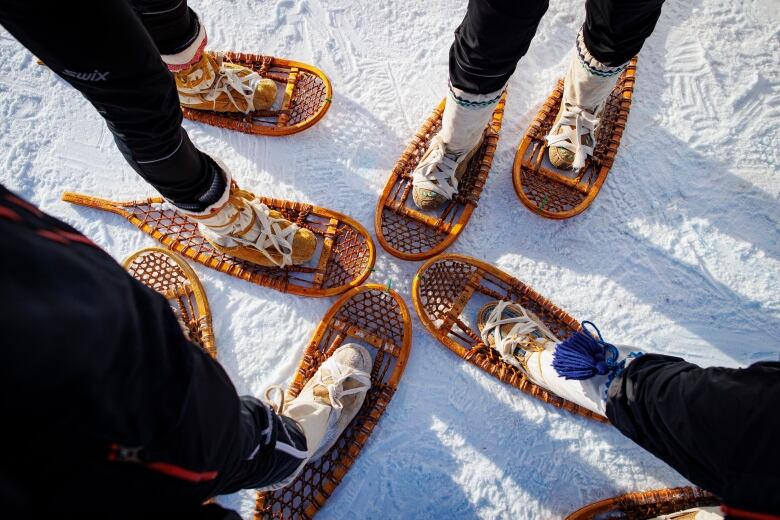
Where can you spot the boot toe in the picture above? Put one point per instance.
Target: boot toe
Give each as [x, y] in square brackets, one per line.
[265, 94]
[427, 199]
[355, 356]
[304, 244]
[561, 157]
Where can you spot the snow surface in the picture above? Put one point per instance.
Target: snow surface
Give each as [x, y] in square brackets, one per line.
[679, 254]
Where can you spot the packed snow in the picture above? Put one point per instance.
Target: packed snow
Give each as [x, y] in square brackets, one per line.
[680, 253]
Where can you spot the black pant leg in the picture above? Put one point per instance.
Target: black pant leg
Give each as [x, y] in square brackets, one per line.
[275, 444]
[103, 391]
[717, 426]
[172, 25]
[615, 30]
[490, 41]
[109, 57]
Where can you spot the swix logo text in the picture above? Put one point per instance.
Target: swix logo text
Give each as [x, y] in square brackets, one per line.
[87, 76]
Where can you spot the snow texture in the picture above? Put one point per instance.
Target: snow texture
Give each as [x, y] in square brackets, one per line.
[680, 253]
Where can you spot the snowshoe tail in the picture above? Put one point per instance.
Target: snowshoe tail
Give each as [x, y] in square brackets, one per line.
[168, 274]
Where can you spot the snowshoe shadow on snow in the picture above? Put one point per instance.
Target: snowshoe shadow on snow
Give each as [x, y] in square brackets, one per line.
[168, 274]
[647, 504]
[447, 293]
[558, 194]
[306, 97]
[410, 234]
[376, 318]
[344, 257]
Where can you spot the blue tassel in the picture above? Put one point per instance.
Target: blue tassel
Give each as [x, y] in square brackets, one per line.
[582, 356]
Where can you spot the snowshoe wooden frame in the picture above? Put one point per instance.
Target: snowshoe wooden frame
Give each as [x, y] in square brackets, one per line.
[547, 191]
[411, 234]
[377, 318]
[346, 251]
[168, 274]
[442, 288]
[646, 504]
[307, 97]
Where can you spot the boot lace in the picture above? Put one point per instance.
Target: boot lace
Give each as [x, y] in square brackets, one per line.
[225, 80]
[575, 122]
[437, 172]
[273, 233]
[521, 338]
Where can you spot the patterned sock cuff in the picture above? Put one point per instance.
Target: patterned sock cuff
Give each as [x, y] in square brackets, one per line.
[593, 65]
[468, 100]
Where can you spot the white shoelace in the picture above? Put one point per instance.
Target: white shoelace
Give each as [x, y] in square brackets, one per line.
[568, 131]
[271, 235]
[437, 172]
[523, 327]
[339, 374]
[227, 81]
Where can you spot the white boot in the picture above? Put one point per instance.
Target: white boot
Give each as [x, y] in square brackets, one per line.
[586, 87]
[525, 342]
[328, 402]
[239, 225]
[436, 177]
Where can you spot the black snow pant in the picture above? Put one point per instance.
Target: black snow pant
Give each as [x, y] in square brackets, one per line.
[110, 52]
[105, 404]
[495, 34]
[718, 427]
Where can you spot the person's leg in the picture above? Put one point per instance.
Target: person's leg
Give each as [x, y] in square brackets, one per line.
[492, 38]
[204, 80]
[117, 67]
[307, 426]
[112, 397]
[175, 29]
[717, 426]
[269, 448]
[614, 31]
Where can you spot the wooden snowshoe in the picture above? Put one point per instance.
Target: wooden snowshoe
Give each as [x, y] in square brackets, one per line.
[168, 274]
[647, 504]
[307, 95]
[344, 257]
[411, 234]
[378, 319]
[448, 291]
[560, 194]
